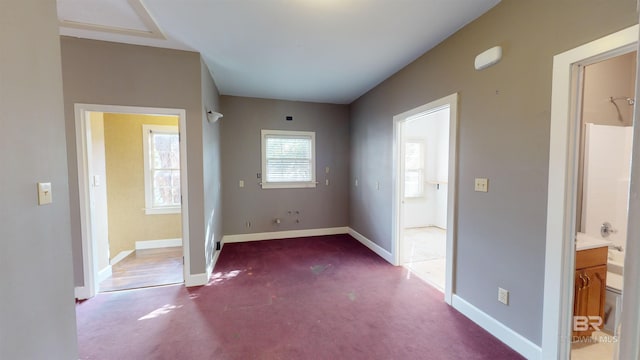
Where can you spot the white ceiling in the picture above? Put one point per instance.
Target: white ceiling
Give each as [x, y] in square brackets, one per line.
[311, 50]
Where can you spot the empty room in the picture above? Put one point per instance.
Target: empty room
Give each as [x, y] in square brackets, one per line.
[309, 179]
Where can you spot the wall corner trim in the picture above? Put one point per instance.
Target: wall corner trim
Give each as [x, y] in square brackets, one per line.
[511, 338]
[372, 246]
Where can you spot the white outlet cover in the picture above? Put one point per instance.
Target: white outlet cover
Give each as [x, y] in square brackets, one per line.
[481, 184]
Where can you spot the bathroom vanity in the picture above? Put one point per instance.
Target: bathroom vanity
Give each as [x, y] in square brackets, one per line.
[590, 284]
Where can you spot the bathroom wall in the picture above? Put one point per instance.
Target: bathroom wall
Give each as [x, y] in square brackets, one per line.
[615, 78]
[430, 209]
[606, 180]
[610, 78]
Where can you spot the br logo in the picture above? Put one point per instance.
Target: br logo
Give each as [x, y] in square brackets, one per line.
[583, 323]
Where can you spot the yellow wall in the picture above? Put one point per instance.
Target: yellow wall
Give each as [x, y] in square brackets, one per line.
[125, 184]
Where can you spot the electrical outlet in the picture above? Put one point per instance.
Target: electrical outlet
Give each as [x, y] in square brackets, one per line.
[503, 296]
[482, 185]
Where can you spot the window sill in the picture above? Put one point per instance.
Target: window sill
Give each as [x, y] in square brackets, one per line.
[163, 211]
[305, 185]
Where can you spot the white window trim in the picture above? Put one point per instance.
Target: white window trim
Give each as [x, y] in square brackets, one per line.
[423, 167]
[288, 185]
[149, 209]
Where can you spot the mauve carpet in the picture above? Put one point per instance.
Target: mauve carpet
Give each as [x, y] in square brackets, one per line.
[314, 298]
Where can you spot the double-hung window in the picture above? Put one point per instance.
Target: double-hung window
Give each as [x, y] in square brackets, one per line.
[288, 159]
[414, 169]
[161, 150]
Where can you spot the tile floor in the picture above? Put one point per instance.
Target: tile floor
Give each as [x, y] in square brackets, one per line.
[423, 252]
[601, 346]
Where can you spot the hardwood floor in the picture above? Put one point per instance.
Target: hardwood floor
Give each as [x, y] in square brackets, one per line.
[144, 268]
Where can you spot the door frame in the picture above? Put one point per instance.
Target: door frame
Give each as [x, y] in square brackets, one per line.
[83, 146]
[562, 187]
[450, 101]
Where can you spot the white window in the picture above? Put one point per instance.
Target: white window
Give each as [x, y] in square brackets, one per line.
[413, 169]
[288, 159]
[161, 147]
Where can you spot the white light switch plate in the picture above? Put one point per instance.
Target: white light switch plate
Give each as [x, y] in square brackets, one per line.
[503, 296]
[482, 185]
[44, 193]
[241, 183]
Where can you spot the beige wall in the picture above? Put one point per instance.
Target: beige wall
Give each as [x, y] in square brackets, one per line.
[504, 122]
[37, 310]
[128, 222]
[616, 78]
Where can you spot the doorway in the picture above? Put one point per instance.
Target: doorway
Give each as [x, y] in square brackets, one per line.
[604, 159]
[424, 191]
[131, 169]
[564, 273]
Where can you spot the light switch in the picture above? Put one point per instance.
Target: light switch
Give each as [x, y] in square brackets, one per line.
[241, 183]
[96, 180]
[326, 170]
[326, 182]
[482, 185]
[356, 182]
[44, 193]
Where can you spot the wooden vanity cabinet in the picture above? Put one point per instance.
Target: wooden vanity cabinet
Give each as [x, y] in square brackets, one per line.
[590, 286]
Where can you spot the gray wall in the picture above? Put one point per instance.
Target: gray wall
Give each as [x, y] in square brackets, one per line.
[37, 315]
[503, 135]
[97, 72]
[320, 207]
[211, 164]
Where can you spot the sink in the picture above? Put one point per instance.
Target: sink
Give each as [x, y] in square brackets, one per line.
[585, 242]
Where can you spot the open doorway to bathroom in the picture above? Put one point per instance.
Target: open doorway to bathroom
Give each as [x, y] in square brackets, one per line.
[604, 165]
[131, 180]
[425, 190]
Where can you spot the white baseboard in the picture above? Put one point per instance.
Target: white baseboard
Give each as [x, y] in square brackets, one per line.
[157, 244]
[104, 273]
[82, 292]
[372, 246]
[120, 256]
[283, 234]
[511, 338]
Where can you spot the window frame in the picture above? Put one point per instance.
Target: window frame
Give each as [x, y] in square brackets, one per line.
[290, 184]
[421, 171]
[149, 208]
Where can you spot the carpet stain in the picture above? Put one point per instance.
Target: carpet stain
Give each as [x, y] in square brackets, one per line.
[319, 269]
[352, 295]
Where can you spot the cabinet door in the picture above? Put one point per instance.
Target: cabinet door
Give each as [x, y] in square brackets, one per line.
[589, 297]
[596, 290]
